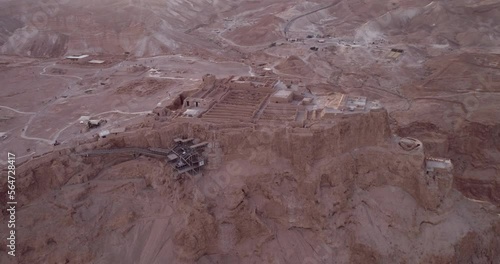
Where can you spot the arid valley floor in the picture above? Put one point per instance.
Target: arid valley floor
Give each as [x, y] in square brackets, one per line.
[345, 131]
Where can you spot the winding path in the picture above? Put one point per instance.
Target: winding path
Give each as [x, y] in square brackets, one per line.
[58, 133]
[61, 76]
[288, 24]
[17, 111]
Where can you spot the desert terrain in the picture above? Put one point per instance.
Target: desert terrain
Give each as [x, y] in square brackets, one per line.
[346, 131]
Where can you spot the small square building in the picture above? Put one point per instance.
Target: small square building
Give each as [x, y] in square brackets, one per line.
[282, 96]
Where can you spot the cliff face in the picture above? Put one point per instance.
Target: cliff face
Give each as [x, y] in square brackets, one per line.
[343, 193]
[474, 150]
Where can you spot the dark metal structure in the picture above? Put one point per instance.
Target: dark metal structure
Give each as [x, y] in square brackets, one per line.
[187, 156]
[184, 156]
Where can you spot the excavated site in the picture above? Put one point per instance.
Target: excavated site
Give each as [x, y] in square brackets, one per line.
[283, 131]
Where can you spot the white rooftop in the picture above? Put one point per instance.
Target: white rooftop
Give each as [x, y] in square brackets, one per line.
[76, 57]
[434, 163]
[117, 130]
[94, 121]
[283, 94]
[97, 61]
[104, 133]
[84, 118]
[193, 112]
